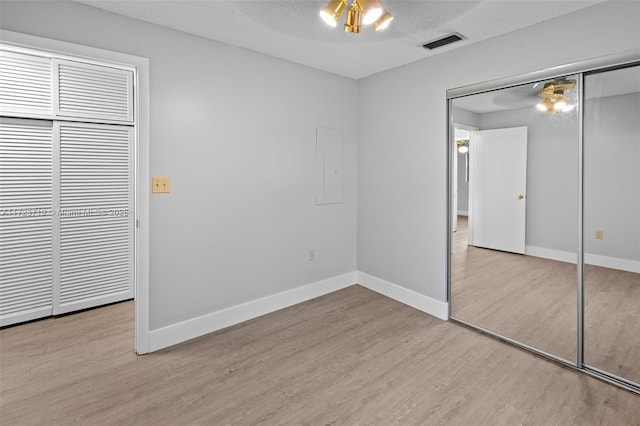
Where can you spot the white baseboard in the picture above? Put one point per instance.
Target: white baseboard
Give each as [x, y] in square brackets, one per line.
[589, 259]
[612, 262]
[189, 329]
[403, 295]
[195, 327]
[545, 253]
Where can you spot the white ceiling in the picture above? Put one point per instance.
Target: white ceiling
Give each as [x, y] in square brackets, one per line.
[293, 30]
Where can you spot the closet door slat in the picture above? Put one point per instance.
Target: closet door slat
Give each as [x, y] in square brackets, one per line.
[25, 221]
[25, 85]
[93, 91]
[96, 223]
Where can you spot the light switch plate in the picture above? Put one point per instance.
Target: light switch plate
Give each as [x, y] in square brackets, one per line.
[160, 184]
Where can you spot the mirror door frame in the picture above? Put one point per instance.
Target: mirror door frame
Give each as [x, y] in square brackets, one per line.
[605, 63]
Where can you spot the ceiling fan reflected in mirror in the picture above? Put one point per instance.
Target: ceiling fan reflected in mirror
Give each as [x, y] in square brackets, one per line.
[553, 96]
[463, 146]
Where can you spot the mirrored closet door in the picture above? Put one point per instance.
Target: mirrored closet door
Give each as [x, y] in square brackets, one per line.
[612, 222]
[545, 215]
[513, 259]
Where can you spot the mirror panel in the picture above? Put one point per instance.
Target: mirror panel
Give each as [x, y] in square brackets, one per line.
[513, 264]
[612, 221]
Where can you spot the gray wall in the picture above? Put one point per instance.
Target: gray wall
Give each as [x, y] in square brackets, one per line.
[402, 147]
[612, 176]
[235, 131]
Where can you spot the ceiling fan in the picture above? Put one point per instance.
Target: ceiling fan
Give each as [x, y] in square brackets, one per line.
[553, 96]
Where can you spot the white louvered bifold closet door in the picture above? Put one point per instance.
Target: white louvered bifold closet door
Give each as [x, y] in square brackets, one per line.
[25, 85]
[94, 92]
[66, 185]
[96, 216]
[25, 220]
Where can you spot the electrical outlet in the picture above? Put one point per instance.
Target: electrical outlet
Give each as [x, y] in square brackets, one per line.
[312, 255]
[598, 234]
[160, 184]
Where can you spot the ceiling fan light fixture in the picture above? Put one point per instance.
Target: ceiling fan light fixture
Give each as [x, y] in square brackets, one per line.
[560, 104]
[383, 22]
[354, 17]
[371, 10]
[542, 107]
[463, 146]
[545, 105]
[553, 99]
[359, 12]
[332, 12]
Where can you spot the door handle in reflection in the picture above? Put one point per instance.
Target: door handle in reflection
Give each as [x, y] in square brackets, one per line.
[520, 197]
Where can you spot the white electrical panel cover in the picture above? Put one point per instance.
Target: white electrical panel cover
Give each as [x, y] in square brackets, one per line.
[329, 163]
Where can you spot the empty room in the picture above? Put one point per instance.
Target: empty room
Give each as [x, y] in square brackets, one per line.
[319, 212]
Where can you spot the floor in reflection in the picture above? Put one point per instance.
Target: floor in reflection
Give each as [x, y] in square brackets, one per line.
[534, 301]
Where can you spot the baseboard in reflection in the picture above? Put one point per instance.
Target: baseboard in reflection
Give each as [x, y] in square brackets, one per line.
[629, 265]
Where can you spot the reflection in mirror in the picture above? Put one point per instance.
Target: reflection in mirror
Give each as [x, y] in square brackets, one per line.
[612, 222]
[513, 264]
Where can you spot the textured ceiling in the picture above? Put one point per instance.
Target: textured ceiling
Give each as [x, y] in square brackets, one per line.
[293, 30]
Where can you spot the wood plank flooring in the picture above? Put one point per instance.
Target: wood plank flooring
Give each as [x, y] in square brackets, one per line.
[534, 301]
[352, 357]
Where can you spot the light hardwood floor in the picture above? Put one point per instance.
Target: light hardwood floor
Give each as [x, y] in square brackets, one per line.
[534, 301]
[348, 358]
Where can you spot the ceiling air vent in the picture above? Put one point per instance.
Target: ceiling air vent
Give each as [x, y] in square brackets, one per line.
[443, 41]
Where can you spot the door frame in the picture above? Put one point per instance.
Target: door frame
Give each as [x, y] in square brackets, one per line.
[455, 182]
[140, 65]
